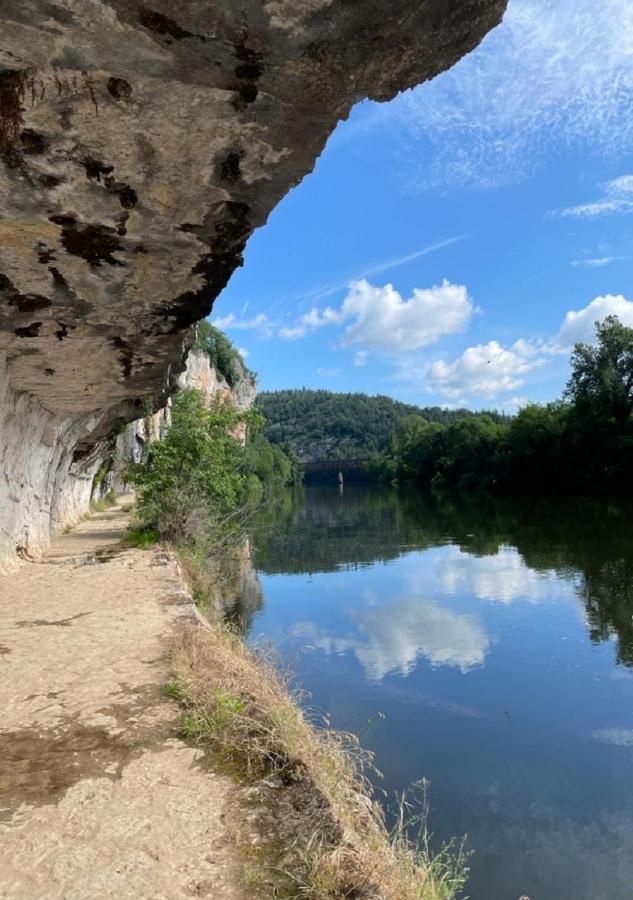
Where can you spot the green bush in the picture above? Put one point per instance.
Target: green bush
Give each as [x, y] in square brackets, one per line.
[221, 352]
[190, 479]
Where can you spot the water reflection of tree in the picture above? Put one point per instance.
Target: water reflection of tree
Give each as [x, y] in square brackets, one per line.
[586, 541]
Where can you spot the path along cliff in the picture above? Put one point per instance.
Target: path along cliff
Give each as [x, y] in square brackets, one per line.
[98, 798]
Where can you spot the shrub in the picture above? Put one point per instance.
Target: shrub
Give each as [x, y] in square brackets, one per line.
[190, 479]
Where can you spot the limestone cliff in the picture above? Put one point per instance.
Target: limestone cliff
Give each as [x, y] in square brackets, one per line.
[141, 143]
[200, 374]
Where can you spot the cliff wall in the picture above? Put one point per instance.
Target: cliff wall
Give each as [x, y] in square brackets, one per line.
[141, 143]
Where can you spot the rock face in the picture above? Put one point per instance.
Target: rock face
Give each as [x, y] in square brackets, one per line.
[198, 374]
[140, 145]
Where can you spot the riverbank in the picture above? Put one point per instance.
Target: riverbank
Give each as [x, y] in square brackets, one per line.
[98, 797]
[108, 789]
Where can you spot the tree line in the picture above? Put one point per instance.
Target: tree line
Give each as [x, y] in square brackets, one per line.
[579, 444]
[323, 426]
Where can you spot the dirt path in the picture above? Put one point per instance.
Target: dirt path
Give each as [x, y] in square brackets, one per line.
[97, 797]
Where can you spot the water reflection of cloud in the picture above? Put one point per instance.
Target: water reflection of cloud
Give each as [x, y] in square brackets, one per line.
[560, 854]
[502, 578]
[389, 638]
[620, 737]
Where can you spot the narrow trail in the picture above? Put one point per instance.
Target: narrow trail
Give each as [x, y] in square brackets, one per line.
[98, 798]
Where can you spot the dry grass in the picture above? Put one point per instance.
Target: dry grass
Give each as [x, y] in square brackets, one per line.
[236, 704]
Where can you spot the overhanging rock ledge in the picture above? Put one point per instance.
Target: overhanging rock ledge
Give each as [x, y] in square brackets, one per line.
[140, 145]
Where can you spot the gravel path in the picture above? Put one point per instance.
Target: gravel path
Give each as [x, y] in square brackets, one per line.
[98, 799]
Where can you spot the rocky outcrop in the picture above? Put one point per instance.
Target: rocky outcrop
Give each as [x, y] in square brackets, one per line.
[200, 374]
[141, 143]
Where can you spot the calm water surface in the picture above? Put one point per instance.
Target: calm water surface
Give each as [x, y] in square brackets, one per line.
[497, 640]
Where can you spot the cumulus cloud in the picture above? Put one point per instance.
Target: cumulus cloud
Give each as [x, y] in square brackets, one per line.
[380, 318]
[485, 370]
[360, 358]
[551, 74]
[491, 370]
[617, 198]
[579, 325]
[243, 352]
[383, 319]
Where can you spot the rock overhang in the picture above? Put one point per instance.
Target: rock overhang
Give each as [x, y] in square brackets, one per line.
[141, 143]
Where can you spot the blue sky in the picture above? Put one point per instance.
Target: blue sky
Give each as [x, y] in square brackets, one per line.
[450, 246]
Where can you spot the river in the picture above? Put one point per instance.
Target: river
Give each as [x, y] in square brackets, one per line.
[484, 645]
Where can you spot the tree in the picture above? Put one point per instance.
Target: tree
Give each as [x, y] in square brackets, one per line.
[193, 474]
[536, 456]
[223, 356]
[471, 450]
[601, 382]
[414, 444]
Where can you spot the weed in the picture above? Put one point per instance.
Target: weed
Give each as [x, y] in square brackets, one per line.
[107, 501]
[236, 704]
[141, 538]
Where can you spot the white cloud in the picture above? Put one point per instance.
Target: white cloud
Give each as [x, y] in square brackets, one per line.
[579, 325]
[243, 352]
[326, 290]
[309, 322]
[329, 373]
[618, 199]
[383, 319]
[595, 263]
[599, 208]
[514, 404]
[552, 74]
[485, 370]
[621, 186]
[360, 358]
[491, 370]
[230, 322]
[380, 318]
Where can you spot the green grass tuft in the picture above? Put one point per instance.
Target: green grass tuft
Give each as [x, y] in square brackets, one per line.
[141, 538]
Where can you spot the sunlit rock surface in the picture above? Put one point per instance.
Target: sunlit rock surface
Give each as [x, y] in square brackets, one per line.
[140, 146]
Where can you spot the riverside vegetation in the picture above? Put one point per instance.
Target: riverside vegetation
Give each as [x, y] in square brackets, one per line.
[581, 444]
[195, 490]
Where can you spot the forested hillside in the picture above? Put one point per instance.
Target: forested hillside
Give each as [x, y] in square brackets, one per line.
[580, 444]
[321, 425]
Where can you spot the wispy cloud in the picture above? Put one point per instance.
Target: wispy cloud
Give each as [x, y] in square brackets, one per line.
[328, 373]
[333, 287]
[552, 74]
[618, 198]
[259, 323]
[595, 263]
